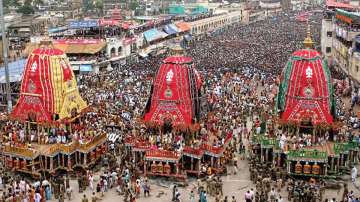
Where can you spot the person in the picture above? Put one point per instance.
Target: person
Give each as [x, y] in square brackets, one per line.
[345, 192]
[353, 174]
[203, 196]
[272, 195]
[177, 195]
[252, 193]
[280, 199]
[174, 193]
[37, 197]
[192, 196]
[248, 196]
[94, 198]
[84, 199]
[225, 199]
[137, 188]
[69, 192]
[91, 182]
[48, 193]
[235, 166]
[146, 188]
[233, 199]
[61, 197]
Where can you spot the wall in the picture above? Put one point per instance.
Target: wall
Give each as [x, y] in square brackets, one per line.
[114, 44]
[340, 53]
[326, 40]
[355, 66]
[209, 24]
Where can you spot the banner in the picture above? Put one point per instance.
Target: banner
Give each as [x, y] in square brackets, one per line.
[109, 22]
[128, 41]
[77, 41]
[83, 24]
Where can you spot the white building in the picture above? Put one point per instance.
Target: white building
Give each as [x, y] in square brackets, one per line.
[206, 25]
[327, 34]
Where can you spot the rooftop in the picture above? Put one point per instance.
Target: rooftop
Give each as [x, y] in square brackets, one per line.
[335, 4]
[347, 16]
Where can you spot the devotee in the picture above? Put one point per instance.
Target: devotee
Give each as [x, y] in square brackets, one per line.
[239, 67]
[353, 173]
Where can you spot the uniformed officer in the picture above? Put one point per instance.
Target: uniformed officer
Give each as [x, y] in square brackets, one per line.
[80, 184]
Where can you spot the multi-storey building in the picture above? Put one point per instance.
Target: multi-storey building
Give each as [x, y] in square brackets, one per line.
[327, 34]
[340, 29]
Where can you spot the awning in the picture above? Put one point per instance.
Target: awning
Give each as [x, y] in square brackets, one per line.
[151, 35]
[80, 46]
[183, 26]
[24, 29]
[348, 17]
[145, 52]
[171, 29]
[75, 67]
[333, 3]
[86, 68]
[162, 34]
[57, 29]
[188, 37]
[16, 70]
[154, 34]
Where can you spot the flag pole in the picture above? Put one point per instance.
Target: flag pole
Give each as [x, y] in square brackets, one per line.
[5, 56]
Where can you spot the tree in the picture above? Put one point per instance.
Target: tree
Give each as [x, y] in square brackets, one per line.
[99, 6]
[88, 5]
[133, 5]
[38, 3]
[26, 9]
[11, 3]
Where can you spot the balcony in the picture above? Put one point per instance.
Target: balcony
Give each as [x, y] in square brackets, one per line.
[352, 35]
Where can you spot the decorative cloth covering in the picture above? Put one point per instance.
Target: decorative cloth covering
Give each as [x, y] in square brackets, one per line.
[305, 91]
[173, 95]
[48, 88]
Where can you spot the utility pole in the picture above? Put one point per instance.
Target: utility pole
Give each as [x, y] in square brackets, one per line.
[5, 56]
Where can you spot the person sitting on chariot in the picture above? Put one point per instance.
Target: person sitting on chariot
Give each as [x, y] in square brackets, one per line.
[58, 138]
[209, 171]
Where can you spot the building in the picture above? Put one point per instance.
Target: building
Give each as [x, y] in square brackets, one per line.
[340, 29]
[68, 10]
[28, 25]
[355, 59]
[213, 23]
[327, 34]
[112, 4]
[270, 4]
[286, 5]
[355, 3]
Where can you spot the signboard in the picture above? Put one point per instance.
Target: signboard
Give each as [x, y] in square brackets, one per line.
[344, 18]
[128, 41]
[83, 24]
[110, 22]
[77, 41]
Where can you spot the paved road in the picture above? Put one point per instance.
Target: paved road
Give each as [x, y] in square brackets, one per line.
[234, 185]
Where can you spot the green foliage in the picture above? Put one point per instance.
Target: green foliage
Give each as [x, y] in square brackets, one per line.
[88, 5]
[133, 5]
[11, 3]
[38, 2]
[26, 9]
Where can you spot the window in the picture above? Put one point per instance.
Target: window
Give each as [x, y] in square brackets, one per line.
[329, 34]
[357, 68]
[328, 49]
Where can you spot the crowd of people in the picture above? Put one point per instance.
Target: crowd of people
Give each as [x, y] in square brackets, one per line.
[239, 64]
